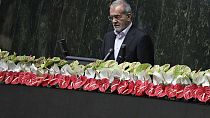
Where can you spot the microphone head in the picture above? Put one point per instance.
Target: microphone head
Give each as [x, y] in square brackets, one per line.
[111, 50]
[62, 41]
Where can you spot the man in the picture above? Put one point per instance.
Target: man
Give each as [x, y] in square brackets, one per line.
[137, 46]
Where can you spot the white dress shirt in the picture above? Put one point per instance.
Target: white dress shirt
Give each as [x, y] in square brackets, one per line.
[119, 40]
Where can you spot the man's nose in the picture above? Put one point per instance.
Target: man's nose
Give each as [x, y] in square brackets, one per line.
[114, 20]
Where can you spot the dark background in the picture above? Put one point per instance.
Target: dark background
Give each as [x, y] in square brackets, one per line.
[179, 28]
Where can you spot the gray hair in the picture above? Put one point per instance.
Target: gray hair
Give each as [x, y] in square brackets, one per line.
[122, 2]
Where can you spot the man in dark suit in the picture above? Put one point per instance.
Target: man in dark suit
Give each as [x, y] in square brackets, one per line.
[126, 43]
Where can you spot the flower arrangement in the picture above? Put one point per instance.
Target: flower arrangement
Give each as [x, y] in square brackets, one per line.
[176, 82]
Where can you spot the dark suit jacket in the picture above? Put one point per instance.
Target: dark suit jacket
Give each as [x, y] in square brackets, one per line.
[139, 47]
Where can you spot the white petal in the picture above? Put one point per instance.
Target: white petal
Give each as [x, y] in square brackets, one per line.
[66, 70]
[90, 73]
[168, 78]
[3, 65]
[33, 68]
[13, 67]
[54, 69]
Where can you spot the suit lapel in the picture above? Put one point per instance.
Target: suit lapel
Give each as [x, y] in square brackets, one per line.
[112, 40]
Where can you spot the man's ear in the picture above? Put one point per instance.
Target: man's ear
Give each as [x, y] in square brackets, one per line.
[129, 15]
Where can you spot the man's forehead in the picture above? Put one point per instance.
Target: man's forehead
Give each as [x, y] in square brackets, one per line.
[117, 9]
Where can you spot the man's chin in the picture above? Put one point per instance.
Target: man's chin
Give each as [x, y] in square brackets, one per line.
[118, 29]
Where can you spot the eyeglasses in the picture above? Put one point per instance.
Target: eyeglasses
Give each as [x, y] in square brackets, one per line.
[117, 17]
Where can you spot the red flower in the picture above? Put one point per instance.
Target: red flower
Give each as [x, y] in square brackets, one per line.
[160, 90]
[64, 82]
[151, 90]
[28, 78]
[79, 82]
[24, 78]
[122, 86]
[130, 88]
[141, 88]
[39, 80]
[21, 79]
[16, 78]
[202, 93]
[91, 84]
[73, 79]
[137, 85]
[189, 91]
[47, 80]
[174, 90]
[179, 91]
[103, 84]
[54, 80]
[2, 75]
[170, 91]
[9, 77]
[114, 85]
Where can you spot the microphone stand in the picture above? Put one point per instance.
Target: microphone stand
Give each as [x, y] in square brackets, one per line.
[63, 47]
[108, 54]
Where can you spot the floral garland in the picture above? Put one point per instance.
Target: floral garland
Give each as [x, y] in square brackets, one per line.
[137, 88]
[177, 82]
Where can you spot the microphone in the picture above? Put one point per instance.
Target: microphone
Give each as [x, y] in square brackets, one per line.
[108, 54]
[122, 53]
[63, 47]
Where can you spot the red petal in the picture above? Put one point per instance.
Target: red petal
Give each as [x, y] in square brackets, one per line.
[170, 91]
[114, 85]
[79, 82]
[103, 85]
[93, 84]
[136, 86]
[15, 79]
[86, 85]
[179, 91]
[160, 91]
[202, 93]
[122, 86]
[189, 91]
[9, 77]
[151, 90]
[63, 83]
[129, 89]
[2, 75]
[142, 88]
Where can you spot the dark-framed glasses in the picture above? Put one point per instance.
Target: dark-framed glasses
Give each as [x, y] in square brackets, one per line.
[117, 17]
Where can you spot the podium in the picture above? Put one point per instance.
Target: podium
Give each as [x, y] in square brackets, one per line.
[19, 101]
[65, 52]
[82, 60]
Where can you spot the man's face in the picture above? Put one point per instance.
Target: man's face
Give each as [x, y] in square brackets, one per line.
[119, 19]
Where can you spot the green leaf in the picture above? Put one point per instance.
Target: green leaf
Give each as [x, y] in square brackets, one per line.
[3, 54]
[165, 67]
[142, 67]
[125, 65]
[132, 66]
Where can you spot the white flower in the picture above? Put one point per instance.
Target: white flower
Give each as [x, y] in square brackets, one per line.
[181, 79]
[206, 79]
[90, 73]
[158, 78]
[54, 69]
[3, 65]
[66, 70]
[143, 76]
